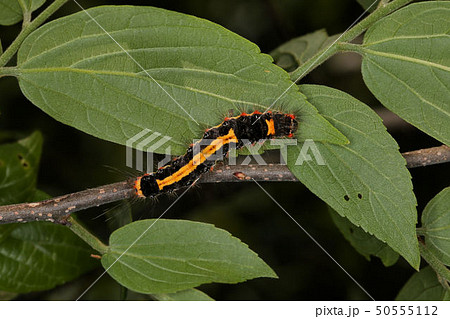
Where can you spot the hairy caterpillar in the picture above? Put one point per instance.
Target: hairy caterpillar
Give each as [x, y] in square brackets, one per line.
[236, 131]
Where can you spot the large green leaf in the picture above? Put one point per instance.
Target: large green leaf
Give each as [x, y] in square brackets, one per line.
[436, 226]
[11, 11]
[184, 295]
[19, 164]
[364, 243]
[40, 255]
[172, 255]
[406, 65]
[423, 286]
[365, 181]
[75, 72]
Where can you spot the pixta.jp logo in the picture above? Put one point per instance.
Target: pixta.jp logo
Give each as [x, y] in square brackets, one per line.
[146, 143]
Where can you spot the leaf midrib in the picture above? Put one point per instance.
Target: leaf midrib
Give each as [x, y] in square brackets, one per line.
[407, 59]
[409, 37]
[29, 58]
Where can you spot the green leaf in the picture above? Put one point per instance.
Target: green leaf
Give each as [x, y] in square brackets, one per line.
[173, 255]
[365, 181]
[406, 65]
[11, 11]
[75, 72]
[423, 286]
[436, 226]
[34, 256]
[19, 164]
[364, 243]
[297, 51]
[184, 295]
[40, 255]
[369, 4]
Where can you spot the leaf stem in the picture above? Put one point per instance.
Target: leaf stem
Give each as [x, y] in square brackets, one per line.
[86, 235]
[8, 71]
[28, 28]
[123, 293]
[313, 62]
[26, 12]
[382, 3]
[349, 47]
[379, 13]
[347, 36]
[434, 262]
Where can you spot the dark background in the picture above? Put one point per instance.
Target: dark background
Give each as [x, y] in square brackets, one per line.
[74, 161]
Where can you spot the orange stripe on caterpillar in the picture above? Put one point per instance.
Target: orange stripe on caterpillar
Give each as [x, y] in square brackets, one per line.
[198, 159]
[270, 127]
